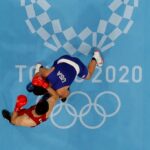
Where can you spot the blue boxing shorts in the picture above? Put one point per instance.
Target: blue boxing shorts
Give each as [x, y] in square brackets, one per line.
[82, 72]
[66, 69]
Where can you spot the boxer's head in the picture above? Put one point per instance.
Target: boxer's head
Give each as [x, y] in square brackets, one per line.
[41, 107]
[37, 90]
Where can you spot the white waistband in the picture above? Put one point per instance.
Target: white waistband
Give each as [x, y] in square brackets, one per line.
[73, 64]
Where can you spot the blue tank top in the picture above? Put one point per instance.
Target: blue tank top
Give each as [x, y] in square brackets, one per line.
[63, 75]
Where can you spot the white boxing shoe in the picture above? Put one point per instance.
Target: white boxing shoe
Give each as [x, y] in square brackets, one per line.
[98, 58]
[37, 68]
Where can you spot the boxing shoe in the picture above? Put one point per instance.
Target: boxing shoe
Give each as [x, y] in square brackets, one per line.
[98, 58]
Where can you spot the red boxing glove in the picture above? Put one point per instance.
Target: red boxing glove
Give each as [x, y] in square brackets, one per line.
[21, 101]
[39, 81]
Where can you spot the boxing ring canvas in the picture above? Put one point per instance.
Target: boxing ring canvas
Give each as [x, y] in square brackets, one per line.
[110, 111]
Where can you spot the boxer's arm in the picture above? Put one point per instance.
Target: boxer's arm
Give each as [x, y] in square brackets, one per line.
[51, 101]
[22, 120]
[44, 72]
[52, 92]
[63, 92]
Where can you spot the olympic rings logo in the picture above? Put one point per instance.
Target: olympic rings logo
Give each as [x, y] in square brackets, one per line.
[56, 116]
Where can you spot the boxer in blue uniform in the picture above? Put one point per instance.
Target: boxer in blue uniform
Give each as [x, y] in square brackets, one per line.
[63, 72]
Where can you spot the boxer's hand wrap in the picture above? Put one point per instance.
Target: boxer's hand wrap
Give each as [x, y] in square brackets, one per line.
[21, 101]
[39, 81]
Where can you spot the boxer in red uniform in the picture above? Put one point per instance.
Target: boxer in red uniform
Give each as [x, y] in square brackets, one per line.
[32, 116]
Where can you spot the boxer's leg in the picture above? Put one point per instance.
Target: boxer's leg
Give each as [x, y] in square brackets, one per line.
[87, 72]
[91, 69]
[96, 60]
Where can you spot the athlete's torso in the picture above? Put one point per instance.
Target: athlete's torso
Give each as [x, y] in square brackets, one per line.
[29, 113]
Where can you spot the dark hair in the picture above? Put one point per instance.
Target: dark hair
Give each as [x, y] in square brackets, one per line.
[39, 90]
[41, 107]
